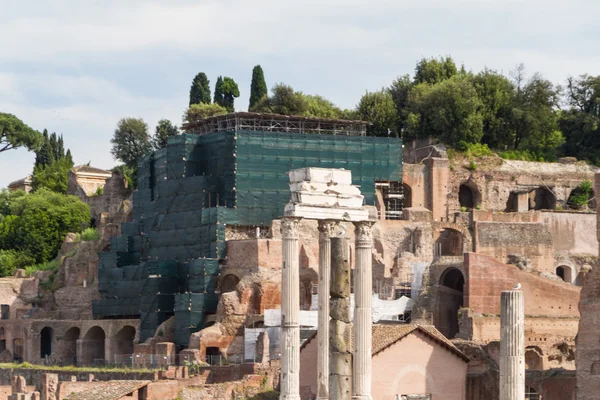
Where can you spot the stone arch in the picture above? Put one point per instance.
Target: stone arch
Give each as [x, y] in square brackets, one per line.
[534, 358]
[67, 346]
[93, 346]
[565, 272]
[469, 195]
[123, 341]
[46, 339]
[450, 242]
[450, 300]
[573, 202]
[407, 195]
[229, 283]
[542, 198]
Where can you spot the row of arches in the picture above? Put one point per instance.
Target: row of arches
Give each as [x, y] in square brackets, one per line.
[92, 345]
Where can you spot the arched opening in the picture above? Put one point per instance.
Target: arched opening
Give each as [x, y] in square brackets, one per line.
[213, 355]
[18, 347]
[582, 197]
[123, 341]
[542, 199]
[67, 346]
[449, 243]
[229, 283]
[93, 346]
[533, 358]
[564, 273]
[466, 197]
[46, 336]
[450, 300]
[531, 393]
[407, 196]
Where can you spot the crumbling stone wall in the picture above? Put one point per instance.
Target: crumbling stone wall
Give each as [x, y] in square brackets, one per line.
[588, 346]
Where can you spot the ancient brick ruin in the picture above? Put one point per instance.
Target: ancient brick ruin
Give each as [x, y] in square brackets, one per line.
[189, 265]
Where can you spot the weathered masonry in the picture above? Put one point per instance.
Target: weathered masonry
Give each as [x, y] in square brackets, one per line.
[227, 171]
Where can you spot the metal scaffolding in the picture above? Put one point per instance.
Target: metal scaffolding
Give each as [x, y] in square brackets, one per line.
[275, 123]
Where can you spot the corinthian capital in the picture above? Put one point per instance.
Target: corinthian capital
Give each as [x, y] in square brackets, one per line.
[329, 228]
[289, 227]
[363, 231]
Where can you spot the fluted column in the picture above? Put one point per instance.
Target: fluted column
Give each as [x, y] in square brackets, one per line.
[512, 346]
[290, 311]
[363, 292]
[327, 230]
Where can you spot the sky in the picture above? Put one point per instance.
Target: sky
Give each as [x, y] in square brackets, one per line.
[77, 67]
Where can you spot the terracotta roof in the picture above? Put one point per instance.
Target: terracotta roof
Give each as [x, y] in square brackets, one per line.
[110, 390]
[91, 170]
[386, 334]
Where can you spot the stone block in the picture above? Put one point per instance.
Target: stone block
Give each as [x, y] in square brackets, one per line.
[321, 175]
[18, 384]
[339, 336]
[49, 387]
[339, 309]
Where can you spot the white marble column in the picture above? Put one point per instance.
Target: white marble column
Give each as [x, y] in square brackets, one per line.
[512, 345]
[290, 311]
[327, 230]
[363, 292]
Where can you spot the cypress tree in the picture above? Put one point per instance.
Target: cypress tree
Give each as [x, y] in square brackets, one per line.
[258, 87]
[54, 146]
[218, 99]
[200, 90]
[69, 157]
[61, 148]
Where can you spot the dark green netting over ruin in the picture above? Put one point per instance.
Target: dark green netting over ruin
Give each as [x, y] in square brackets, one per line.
[166, 261]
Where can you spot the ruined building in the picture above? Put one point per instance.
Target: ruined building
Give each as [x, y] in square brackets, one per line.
[198, 261]
[225, 179]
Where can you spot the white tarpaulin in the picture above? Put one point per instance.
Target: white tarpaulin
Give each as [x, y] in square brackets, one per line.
[250, 339]
[390, 309]
[307, 318]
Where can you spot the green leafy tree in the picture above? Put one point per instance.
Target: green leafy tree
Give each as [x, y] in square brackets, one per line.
[433, 70]
[200, 90]
[10, 260]
[219, 99]
[283, 100]
[164, 130]
[14, 133]
[580, 122]
[131, 141]
[497, 94]
[400, 91]
[54, 176]
[230, 93]
[39, 222]
[380, 110]
[449, 110]
[199, 111]
[258, 87]
[534, 116]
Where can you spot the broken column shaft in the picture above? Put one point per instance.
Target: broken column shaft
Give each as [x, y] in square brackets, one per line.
[512, 346]
[340, 326]
[363, 294]
[327, 230]
[290, 311]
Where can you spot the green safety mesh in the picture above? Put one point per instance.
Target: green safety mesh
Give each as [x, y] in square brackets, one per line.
[166, 261]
